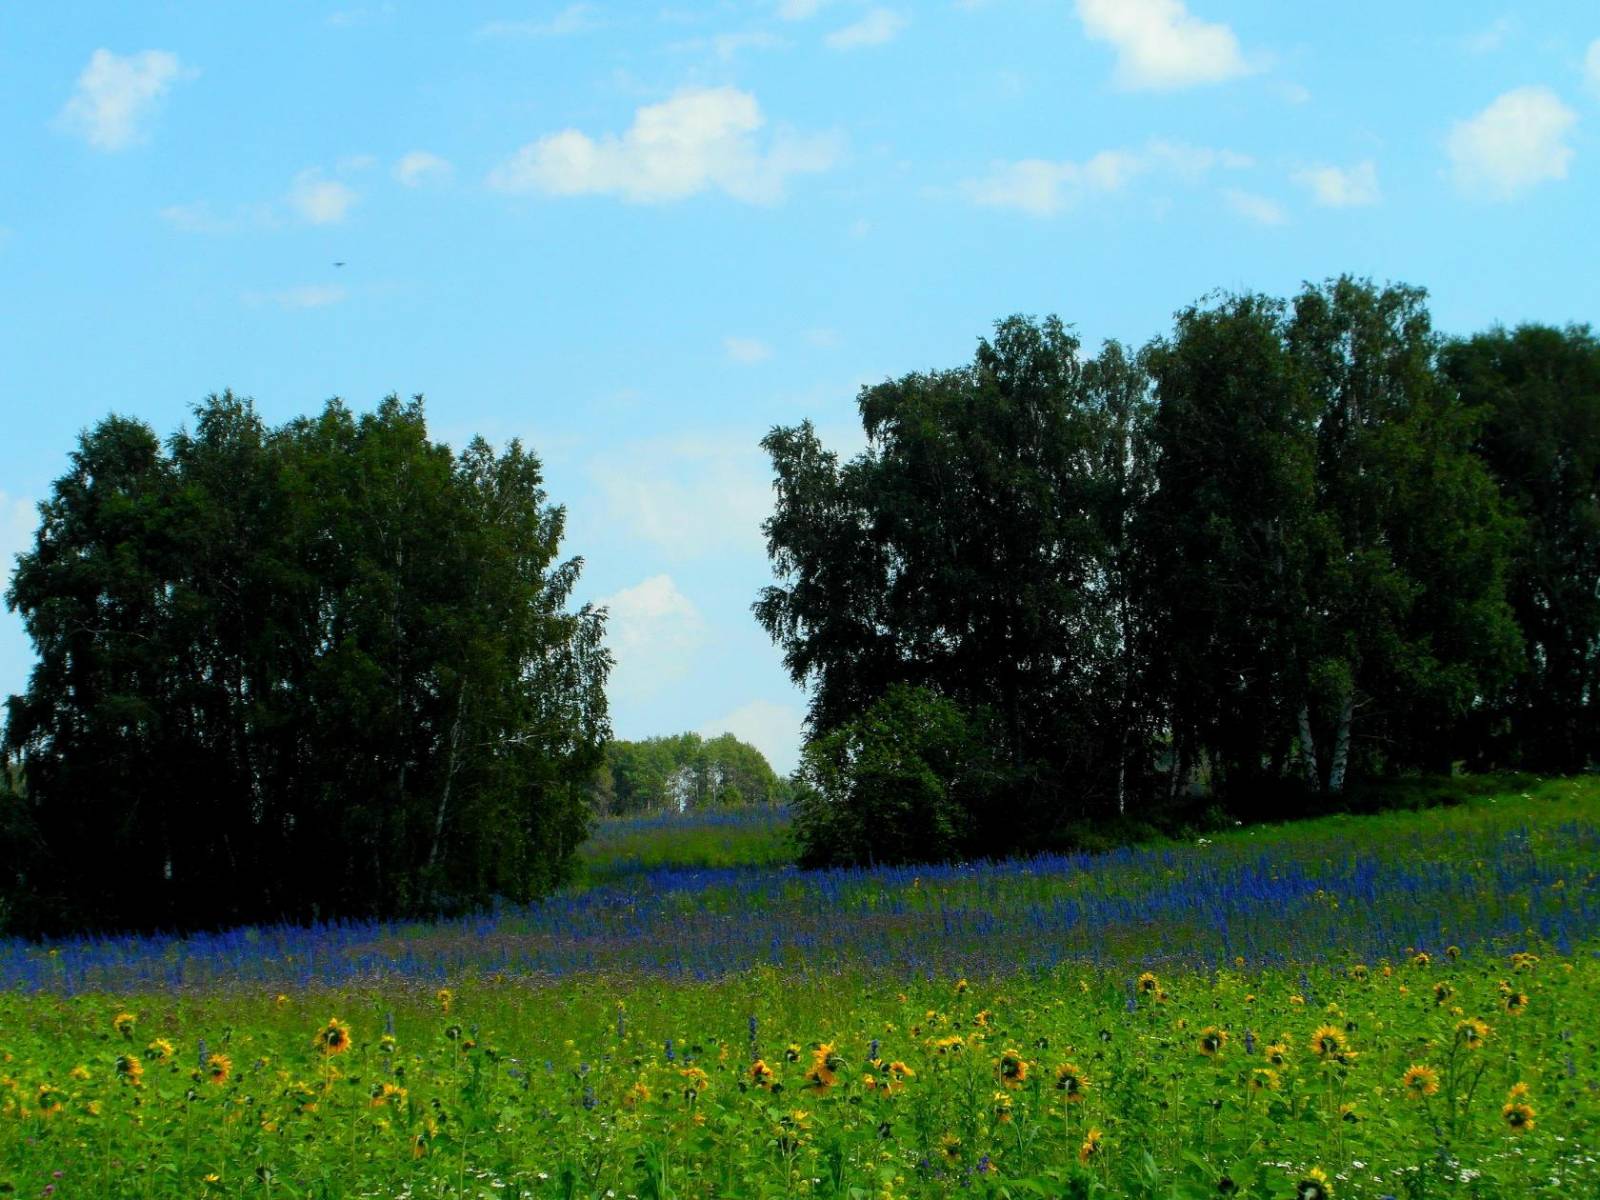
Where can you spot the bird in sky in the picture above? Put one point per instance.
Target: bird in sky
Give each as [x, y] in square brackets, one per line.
[338, 264]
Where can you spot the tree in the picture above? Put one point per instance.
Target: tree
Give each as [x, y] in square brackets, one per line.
[979, 549]
[684, 772]
[326, 669]
[906, 781]
[1537, 390]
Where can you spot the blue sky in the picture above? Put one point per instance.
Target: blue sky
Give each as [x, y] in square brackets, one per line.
[638, 235]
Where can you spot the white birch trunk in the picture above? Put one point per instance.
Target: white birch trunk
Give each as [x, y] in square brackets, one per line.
[1341, 745]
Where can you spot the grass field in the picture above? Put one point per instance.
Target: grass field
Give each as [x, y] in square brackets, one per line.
[1398, 1005]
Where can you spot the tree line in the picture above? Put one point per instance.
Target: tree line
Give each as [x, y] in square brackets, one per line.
[683, 773]
[325, 669]
[1288, 549]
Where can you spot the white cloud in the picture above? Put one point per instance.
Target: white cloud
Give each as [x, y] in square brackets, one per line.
[1591, 67]
[1260, 209]
[799, 10]
[1518, 141]
[1160, 44]
[320, 201]
[823, 338]
[311, 295]
[702, 139]
[877, 27]
[654, 632]
[746, 350]
[574, 19]
[1043, 188]
[773, 729]
[1339, 187]
[418, 167]
[117, 95]
[689, 497]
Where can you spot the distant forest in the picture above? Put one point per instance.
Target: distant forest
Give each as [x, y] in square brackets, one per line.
[1288, 552]
[1293, 549]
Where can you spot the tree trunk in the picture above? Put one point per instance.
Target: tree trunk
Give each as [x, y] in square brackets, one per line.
[449, 778]
[1341, 746]
[1308, 750]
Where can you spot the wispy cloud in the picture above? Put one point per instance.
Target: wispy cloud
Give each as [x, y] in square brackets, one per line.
[117, 96]
[876, 28]
[419, 167]
[1044, 188]
[319, 201]
[654, 633]
[312, 295]
[574, 19]
[1253, 207]
[702, 139]
[1161, 45]
[747, 351]
[1341, 187]
[1516, 143]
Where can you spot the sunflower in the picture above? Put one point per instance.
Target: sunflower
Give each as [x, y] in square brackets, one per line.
[961, 987]
[51, 1100]
[761, 1074]
[1471, 1032]
[1523, 961]
[333, 1038]
[1314, 1186]
[1328, 1042]
[130, 1070]
[1452, 952]
[1420, 1081]
[123, 1023]
[1071, 1080]
[1090, 1147]
[898, 1070]
[1516, 1002]
[383, 1093]
[826, 1062]
[1518, 1116]
[218, 1068]
[387, 1044]
[949, 1045]
[951, 1145]
[1013, 1069]
[1148, 982]
[1264, 1079]
[1212, 1040]
[1278, 1052]
[1442, 991]
[1002, 1108]
[791, 1053]
[1421, 959]
[445, 997]
[160, 1050]
[1359, 972]
[636, 1095]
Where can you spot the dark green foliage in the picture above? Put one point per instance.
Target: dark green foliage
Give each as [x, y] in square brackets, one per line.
[321, 670]
[1537, 393]
[979, 548]
[906, 781]
[684, 773]
[1264, 560]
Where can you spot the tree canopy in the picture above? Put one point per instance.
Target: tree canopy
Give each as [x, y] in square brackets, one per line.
[684, 773]
[318, 670]
[1292, 546]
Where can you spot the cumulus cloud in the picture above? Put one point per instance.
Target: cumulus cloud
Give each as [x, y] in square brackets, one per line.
[320, 201]
[1252, 207]
[773, 729]
[874, 29]
[1516, 143]
[311, 295]
[654, 633]
[702, 139]
[418, 167]
[746, 350]
[1341, 187]
[118, 94]
[1044, 188]
[1161, 45]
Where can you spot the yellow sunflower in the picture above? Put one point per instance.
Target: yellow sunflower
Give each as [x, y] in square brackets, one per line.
[333, 1038]
[1420, 1081]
